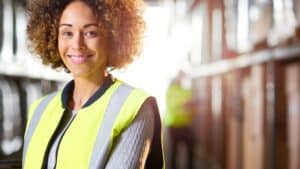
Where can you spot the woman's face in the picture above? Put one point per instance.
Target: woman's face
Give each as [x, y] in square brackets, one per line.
[81, 43]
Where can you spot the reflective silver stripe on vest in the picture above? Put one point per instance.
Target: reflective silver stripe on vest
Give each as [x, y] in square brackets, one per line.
[34, 122]
[101, 148]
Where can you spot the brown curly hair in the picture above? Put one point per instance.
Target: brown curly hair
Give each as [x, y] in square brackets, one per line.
[122, 20]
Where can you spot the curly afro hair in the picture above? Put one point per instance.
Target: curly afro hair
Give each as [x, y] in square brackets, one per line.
[122, 20]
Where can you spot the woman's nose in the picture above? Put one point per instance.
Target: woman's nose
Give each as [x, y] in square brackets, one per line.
[78, 41]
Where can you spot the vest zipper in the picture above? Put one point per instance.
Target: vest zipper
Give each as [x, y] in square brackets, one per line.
[53, 139]
[62, 135]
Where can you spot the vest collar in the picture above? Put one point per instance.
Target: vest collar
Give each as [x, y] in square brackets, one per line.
[68, 89]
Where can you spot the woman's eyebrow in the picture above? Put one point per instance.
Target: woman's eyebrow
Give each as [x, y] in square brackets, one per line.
[91, 24]
[85, 26]
[64, 24]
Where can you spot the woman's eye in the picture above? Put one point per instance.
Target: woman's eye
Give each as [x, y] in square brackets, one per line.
[90, 34]
[67, 34]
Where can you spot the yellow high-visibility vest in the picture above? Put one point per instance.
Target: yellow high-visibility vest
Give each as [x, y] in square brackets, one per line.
[78, 144]
[176, 115]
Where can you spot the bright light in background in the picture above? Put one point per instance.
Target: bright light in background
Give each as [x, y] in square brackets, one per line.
[180, 45]
[159, 61]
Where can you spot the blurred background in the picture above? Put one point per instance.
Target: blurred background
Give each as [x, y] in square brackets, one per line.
[239, 62]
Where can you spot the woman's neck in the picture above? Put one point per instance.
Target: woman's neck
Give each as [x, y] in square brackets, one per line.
[83, 90]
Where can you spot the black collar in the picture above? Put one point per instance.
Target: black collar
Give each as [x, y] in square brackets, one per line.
[68, 90]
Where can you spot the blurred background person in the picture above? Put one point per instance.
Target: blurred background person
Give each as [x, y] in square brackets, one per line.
[178, 119]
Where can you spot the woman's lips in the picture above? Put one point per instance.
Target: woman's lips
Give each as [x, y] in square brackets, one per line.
[79, 59]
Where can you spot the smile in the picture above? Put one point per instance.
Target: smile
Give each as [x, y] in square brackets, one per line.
[79, 59]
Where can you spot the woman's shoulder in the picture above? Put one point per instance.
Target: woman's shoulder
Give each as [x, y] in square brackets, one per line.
[42, 100]
[46, 98]
[132, 87]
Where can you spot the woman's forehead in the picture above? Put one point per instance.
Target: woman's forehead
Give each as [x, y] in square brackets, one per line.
[78, 12]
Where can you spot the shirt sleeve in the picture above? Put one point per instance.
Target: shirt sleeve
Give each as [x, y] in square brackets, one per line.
[134, 143]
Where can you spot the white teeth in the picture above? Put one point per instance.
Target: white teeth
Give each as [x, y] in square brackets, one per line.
[78, 59]
[79, 56]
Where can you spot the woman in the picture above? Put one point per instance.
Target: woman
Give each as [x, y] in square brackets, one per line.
[96, 121]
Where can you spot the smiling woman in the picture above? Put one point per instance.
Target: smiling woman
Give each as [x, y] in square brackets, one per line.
[122, 21]
[95, 121]
[82, 44]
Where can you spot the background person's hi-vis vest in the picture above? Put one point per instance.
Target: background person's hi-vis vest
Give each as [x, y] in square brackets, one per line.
[89, 138]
